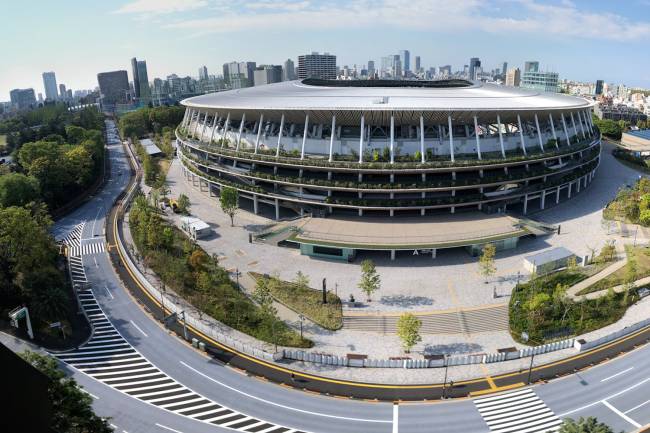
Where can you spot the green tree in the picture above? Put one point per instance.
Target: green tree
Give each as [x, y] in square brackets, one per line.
[584, 425]
[486, 261]
[607, 253]
[408, 331]
[229, 200]
[301, 280]
[370, 280]
[263, 296]
[183, 204]
[17, 190]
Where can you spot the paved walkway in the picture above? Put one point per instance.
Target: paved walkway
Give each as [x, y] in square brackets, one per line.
[573, 291]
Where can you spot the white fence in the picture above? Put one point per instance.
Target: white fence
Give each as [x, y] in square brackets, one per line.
[582, 345]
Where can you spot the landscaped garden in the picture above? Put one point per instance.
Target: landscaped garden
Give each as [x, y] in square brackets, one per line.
[188, 270]
[631, 205]
[637, 267]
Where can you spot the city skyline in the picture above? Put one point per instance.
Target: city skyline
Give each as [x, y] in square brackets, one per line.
[190, 31]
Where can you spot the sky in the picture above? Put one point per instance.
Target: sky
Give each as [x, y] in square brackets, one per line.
[580, 39]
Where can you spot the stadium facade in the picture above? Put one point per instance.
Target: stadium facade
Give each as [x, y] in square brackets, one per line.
[390, 148]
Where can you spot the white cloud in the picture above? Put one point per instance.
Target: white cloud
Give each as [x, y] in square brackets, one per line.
[160, 6]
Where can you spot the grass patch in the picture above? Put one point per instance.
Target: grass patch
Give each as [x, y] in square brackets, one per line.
[3, 142]
[639, 255]
[306, 301]
[197, 277]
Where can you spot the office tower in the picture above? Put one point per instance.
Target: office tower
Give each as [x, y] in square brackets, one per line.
[63, 94]
[599, 87]
[418, 66]
[396, 72]
[22, 99]
[136, 80]
[371, 68]
[504, 69]
[40, 97]
[239, 73]
[141, 89]
[544, 81]
[49, 82]
[113, 88]
[203, 73]
[474, 63]
[405, 60]
[445, 70]
[289, 70]
[267, 74]
[317, 65]
[531, 66]
[513, 77]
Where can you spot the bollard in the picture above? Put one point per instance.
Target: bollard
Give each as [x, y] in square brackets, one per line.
[202, 346]
[195, 342]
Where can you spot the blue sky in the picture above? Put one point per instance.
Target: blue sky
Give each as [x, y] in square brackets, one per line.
[580, 39]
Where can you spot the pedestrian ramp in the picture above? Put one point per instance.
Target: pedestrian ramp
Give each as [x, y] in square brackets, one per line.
[517, 412]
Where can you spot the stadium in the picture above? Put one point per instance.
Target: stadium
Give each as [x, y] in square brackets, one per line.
[396, 150]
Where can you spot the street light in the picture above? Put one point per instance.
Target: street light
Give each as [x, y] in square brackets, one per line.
[301, 319]
[444, 384]
[237, 274]
[526, 338]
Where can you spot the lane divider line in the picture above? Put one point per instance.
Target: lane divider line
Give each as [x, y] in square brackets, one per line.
[621, 414]
[138, 328]
[395, 418]
[617, 374]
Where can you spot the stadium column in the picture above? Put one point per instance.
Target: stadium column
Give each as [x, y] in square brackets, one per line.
[392, 138]
[189, 113]
[183, 123]
[503, 150]
[259, 132]
[550, 117]
[196, 123]
[451, 138]
[361, 142]
[255, 205]
[566, 133]
[277, 209]
[277, 148]
[521, 134]
[422, 158]
[539, 133]
[573, 122]
[478, 142]
[582, 127]
[588, 120]
[332, 136]
[225, 130]
[241, 130]
[214, 127]
[525, 204]
[205, 124]
[304, 137]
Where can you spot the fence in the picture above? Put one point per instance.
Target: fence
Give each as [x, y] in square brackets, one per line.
[583, 345]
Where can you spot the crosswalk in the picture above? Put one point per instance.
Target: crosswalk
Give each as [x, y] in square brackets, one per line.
[517, 412]
[109, 358]
[93, 246]
[73, 238]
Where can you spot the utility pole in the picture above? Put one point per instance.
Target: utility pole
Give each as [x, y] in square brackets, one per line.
[301, 319]
[324, 290]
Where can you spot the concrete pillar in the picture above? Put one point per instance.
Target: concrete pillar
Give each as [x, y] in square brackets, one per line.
[392, 138]
[434, 253]
[453, 209]
[361, 132]
[451, 138]
[503, 150]
[241, 130]
[588, 118]
[277, 209]
[277, 148]
[566, 133]
[550, 117]
[184, 122]
[304, 137]
[422, 212]
[422, 139]
[557, 195]
[539, 133]
[360, 212]
[478, 142]
[259, 132]
[582, 127]
[521, 134]
[569, 193]
[255, 204]
[214, 127]
[525, 204]
[196, 123]
[205, 124]
[392, 254]
[391, 212]
[573, 122]
[225, 130]
[542, 200]
[332, 137]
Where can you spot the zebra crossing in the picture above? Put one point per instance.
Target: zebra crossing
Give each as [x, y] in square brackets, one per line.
[73, 238]
[109, 358]
[517, 412]
[93, 246]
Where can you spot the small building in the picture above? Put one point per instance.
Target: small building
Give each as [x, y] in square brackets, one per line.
[548, 261]
[637, 142]
[150, 147]
[195, 227]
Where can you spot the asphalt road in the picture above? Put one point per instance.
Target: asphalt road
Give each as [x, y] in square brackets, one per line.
[616, 392]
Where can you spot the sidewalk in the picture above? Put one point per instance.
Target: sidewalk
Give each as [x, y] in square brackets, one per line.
[573, 290]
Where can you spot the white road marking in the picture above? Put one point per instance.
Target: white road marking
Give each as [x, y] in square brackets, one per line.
[92, 395]
[92, 232]
[95, 259]
[168, 428]
[138, 328]
[622, 415]
[638, 406]
[109, 292]
[617, 374]
[283, 406]
[395, 418]
[636, 385]
[114, 426]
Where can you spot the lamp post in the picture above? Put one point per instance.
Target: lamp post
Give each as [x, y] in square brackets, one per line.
[526, 338]
[237, 274]
[162, 300]
[444, 383]
[324, 290]
[301, 320]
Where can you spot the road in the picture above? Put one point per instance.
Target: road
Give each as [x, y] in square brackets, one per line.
[148, 380]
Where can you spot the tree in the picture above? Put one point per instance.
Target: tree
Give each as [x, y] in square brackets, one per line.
[584, 425]
[301, 280]
[229, 200]
[263, 296]
[370, 280]
[183, 203]
[71, 407]
[572, 264]
[608, 252]
[486, 261]
[17, 190]
[408, 331]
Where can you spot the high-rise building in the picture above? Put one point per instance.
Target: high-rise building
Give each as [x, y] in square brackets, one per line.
[141, 89]
[599, 87]
[445, 70]
[405, 60]
[418, 65]
[267, 74]
[63, 94]
[544, 81]
[397, 66]
[113, 88]
[49, 82]
[317, 65]
[513, 77]
[22, 99]
[531, 66]
[504, 69]
[289, 70]
[239, 74]
[203, 73]
[136, 80]
[371, 68]
[474, 63]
